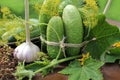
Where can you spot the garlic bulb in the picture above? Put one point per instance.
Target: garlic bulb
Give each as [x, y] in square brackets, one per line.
[26, 52]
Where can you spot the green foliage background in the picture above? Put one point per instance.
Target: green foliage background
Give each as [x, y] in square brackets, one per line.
[17, 7]
[113, 11]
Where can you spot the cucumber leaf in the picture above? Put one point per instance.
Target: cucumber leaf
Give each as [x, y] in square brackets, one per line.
[89, 71]
[110, 58]
[105, 35]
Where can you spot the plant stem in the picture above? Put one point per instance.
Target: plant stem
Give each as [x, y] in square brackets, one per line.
[57, 62]
[58, 55]
[107, 6]
[26, 21]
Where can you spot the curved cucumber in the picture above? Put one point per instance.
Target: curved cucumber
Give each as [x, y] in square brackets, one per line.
[55, 33]
[73, 28]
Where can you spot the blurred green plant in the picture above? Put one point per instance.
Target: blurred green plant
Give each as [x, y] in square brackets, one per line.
[17, 7]
[113, 11]
[12, 28]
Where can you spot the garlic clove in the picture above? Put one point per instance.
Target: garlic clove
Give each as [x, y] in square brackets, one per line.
[26, 52]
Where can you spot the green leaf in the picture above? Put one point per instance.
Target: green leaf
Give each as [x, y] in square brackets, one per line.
[35, 66]
[90, 70]
[110, 58]
[21, 72]
[105, 35]
[115, 50]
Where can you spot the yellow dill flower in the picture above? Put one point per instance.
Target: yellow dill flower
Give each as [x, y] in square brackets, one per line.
[90, 11]
[37, 7]
[6, 13]
[84, 57]
[92, 4]
[116, 44]
[5, 10]
[50, 7]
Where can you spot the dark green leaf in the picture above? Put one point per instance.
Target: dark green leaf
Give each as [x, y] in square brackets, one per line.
[110, 58]
[36, 65]
[105, 35]
[115, 50]
[90, 70]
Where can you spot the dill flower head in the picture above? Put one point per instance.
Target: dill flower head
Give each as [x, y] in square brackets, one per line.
[6, 13]
[90, 12]
[5, 10]
[50, 7]
[37, 7]
[92, 4]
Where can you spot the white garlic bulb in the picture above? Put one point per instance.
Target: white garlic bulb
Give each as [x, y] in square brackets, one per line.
[27, 52]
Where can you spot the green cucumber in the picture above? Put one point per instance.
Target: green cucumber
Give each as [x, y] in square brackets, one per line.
[55, 33]
[73, 28]
[62, 6]
[48, 9]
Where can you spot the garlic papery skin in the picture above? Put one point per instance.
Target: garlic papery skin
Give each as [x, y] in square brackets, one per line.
[27, 52]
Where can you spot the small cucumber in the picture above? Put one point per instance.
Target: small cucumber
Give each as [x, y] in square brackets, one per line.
[55, 33]
[49, 8]
[73, 28]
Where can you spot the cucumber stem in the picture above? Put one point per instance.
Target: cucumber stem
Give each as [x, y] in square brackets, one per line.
[58, 55]
[57, 62]
[107, 6]
[26, 21]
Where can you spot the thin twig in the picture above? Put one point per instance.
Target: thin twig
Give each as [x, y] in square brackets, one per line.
[107, 6]
[62, 44]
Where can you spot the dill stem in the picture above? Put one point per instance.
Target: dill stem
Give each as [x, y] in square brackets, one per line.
[107, 6]
[26, 21]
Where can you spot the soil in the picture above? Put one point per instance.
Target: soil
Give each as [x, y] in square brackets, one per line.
[7, 63]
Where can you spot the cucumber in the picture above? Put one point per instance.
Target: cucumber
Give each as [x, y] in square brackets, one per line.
[62, 6]
[73, 28]
[55, 33]
[48, 9]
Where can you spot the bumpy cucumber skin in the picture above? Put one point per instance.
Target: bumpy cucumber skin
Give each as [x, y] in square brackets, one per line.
[73, 28]
[56, 24]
